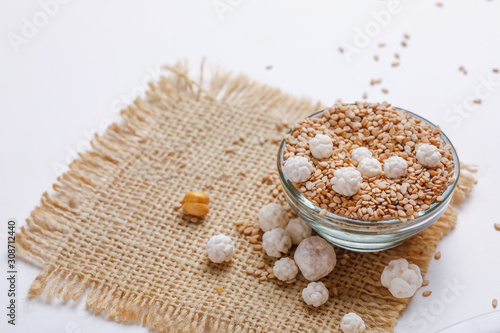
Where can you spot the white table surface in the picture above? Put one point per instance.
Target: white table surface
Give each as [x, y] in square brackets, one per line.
[67, 77]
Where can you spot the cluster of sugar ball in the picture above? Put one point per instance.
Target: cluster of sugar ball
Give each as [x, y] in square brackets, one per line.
[298, 169]
[298, 230]
[275, 242]
[352, 323]
[285, 269]
[428, 155]
[315, 294]
[401, 278]
[346, 181]
[314, 256]
[220, 248]
[321, 146]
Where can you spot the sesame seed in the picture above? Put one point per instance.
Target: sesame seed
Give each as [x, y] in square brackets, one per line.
[425, 283]
[257, 247]
[494, 303]
[261, 265]
[497, 226]
[437, 256]
[427, 293]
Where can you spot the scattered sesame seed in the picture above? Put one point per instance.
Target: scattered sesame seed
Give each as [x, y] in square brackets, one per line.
[385, 90]
[477, 101]
[261, 265]
[396, 55]
[425, 283]
[440, 198]
[395, 64]
[322, 212]
[219, 289]
[427, 293]
[403, 43]
[375, 56]
[497, 226]
[437, 256]
[269, 67]
[496, 70]
[494, 303]
[406, 36]
[381, 44]
[439, 4]
[341, 50]
[365, 95]
[257, 247]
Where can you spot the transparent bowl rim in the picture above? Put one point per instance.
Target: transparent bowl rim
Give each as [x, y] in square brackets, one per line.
[329, 216]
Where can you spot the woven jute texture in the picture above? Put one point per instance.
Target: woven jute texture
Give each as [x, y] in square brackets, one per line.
[110, 225]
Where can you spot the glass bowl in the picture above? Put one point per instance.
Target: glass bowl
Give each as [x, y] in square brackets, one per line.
[361, 235]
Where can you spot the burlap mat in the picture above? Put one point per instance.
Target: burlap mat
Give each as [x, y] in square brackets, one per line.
[111, 226]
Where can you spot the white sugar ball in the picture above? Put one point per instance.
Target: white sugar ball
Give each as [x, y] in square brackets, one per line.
[352, 323]
[401, 278]
[428, 155]
[220, 248]
[272, 216]
[315, 294]
[298, 169]
[298, 230]
[395, 167]
[275, 242]
[360, 153]
[370, 167]
[321, 146]
[285, 269]
[346, 181]
[315, 257]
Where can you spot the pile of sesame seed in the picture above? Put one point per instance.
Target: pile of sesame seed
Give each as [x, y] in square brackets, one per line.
[385, 131]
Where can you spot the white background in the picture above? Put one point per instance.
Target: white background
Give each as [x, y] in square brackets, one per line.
[69, 76]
